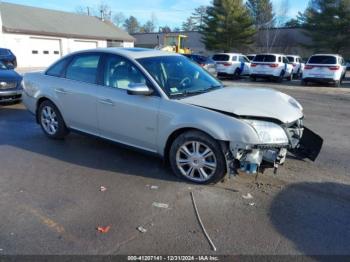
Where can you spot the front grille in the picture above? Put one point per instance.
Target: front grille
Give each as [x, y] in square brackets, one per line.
[7, 85]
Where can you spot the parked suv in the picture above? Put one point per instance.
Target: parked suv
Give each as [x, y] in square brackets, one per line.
[325, 68]
[10, 84]
[232, 64]
[271, 66]
[8, 58]
[298, 65]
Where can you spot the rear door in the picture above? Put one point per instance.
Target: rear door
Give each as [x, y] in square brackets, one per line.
[77, 92]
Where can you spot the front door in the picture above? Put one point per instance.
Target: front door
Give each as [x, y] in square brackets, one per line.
[129, 119]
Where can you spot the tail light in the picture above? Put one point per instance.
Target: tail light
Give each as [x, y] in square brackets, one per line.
[334, 68]
[308, 67]
[202, 65]
[253, 65]
[227, 64]
[294, 65]
[274, 65]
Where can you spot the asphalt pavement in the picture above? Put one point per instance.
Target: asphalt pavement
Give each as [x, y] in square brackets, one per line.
[51, 200]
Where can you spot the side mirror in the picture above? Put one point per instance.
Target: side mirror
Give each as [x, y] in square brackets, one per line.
[10, 66]
[139, 89]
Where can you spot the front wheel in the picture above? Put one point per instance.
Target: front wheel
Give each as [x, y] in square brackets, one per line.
[198, 158]
[51, 121]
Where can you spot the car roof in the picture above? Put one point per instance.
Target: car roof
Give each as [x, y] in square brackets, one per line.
[293, 55]
[228, 54]
[270, 54]
[133, 53]
[327, 55]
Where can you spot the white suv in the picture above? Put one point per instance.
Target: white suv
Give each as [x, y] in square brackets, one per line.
[326, 68]
[232, 64]
[271, 66]
[298, 65]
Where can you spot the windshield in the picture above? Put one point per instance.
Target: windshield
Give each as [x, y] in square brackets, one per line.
[322, 59]
[178, 76]
[3, 66]
[291, 59]
[265, 58]
[220, 57]
[4, 52]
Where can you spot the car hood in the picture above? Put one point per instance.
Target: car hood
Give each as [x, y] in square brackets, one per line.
[9, 75]
[250, 102]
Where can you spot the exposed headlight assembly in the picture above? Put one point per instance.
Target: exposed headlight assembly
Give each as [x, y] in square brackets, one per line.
[268, 132]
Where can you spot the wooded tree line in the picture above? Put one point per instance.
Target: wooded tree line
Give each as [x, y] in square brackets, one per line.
[236, 24]
[231, 23]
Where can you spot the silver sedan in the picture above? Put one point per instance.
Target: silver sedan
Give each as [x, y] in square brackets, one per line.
[163, 103]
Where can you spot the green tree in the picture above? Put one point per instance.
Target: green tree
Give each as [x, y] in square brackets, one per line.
[293, 23]
[262, 13]
[227, 25]
[327, 22]
[189, 25]
[132, 25]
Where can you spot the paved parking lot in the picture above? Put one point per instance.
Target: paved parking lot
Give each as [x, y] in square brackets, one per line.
[50, 199]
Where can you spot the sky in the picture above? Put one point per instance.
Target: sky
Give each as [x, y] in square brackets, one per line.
[168, 12]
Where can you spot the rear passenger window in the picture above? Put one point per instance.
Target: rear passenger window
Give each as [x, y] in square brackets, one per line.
[234, 58]
[285, 60]
[280, 59]
[83, 68]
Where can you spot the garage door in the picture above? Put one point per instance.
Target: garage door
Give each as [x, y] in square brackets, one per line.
[44, 52]
[82, 45]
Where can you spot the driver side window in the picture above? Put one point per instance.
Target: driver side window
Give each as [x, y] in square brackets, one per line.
[120, 73]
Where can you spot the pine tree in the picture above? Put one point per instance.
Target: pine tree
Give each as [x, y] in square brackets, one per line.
[227, 25]
[327, 22]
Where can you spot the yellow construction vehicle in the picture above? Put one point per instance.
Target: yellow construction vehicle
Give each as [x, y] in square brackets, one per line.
[175, 43]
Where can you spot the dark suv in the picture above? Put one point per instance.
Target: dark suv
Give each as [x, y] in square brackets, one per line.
[7, 57]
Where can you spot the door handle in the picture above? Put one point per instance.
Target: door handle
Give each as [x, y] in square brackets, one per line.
[106, 102]
[61, 91]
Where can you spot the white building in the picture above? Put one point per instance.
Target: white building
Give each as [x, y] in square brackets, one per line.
[38, 37]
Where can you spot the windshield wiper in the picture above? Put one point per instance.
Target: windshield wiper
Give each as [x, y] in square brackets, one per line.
[197, 92]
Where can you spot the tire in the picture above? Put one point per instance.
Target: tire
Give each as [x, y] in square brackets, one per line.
[191, 166]
[51, 121]
[304, 83]
[253, 79]
[280, 78]
[236, 74]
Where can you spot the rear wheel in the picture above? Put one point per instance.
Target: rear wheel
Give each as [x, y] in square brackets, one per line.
[304, 83]
[253, 78]
[280, 78]
[51, 120]
[237, 74]
[198, 158]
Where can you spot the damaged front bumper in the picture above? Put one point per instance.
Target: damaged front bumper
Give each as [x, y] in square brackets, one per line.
[303, 143]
